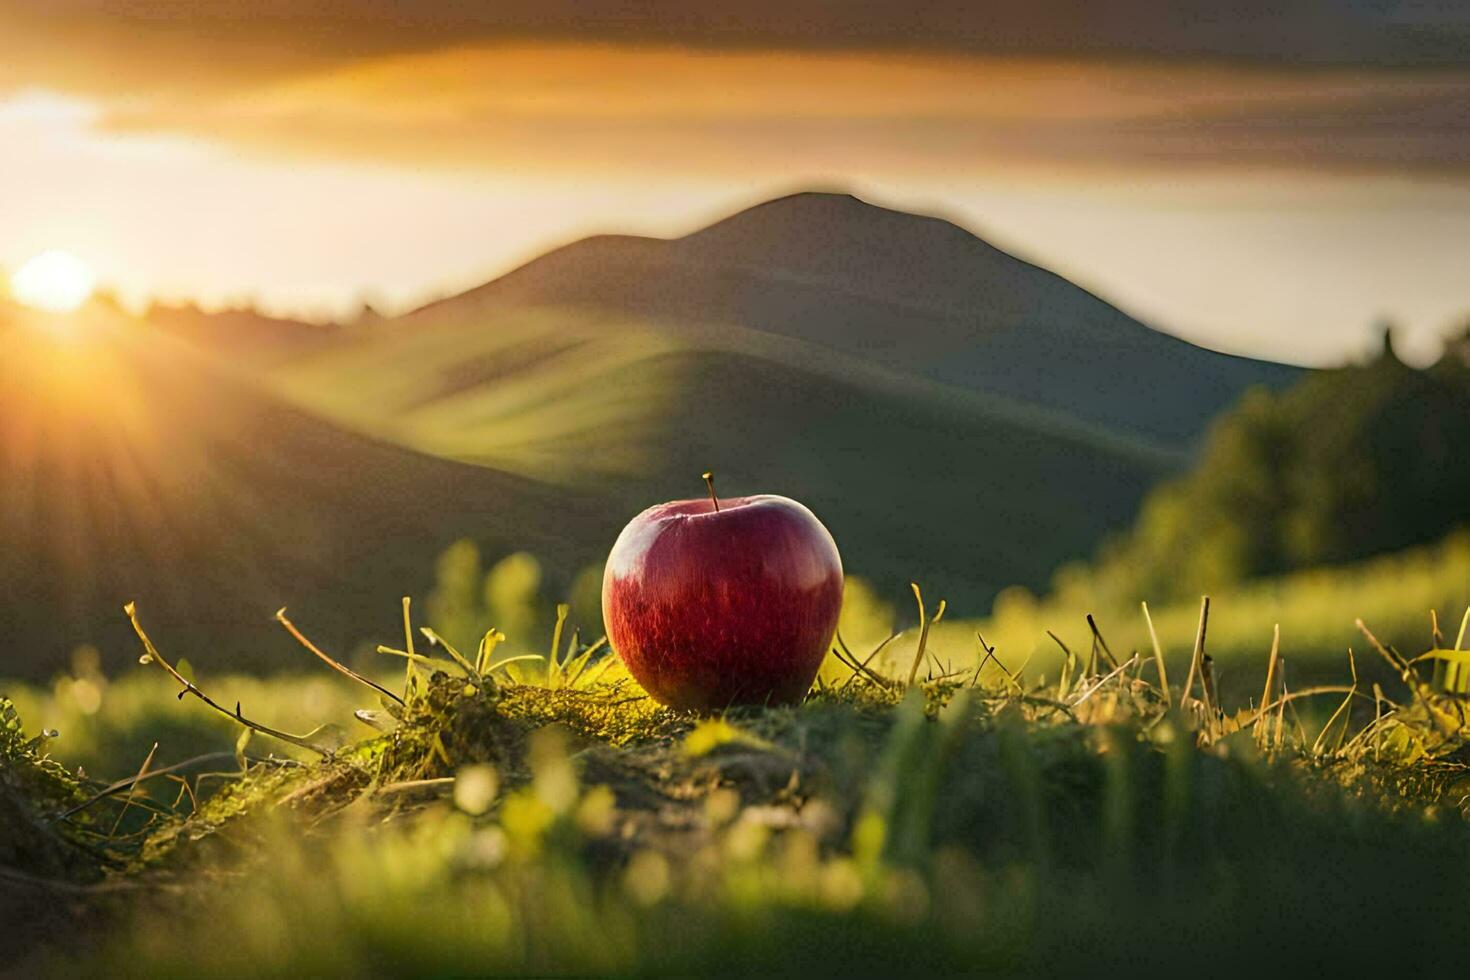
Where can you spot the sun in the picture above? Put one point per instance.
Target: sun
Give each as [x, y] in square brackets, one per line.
[54, 282]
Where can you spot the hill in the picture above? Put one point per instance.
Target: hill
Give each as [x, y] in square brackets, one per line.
[137, 468]
[959, 489]
[912, 293]
[956, 414]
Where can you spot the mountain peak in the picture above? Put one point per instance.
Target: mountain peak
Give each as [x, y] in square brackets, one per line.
[813, 201]
[841, 239]
[835, 214]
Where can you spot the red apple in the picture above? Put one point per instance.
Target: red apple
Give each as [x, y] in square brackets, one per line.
[713, 603]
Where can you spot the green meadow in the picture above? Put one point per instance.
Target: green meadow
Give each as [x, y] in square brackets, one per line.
[484, 812]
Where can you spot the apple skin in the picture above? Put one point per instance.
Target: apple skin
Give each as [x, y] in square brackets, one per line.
[712, 609]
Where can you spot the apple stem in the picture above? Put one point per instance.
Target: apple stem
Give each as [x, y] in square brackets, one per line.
[709, 479]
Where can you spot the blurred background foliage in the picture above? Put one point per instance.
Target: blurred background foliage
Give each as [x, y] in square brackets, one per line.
[1346, 464]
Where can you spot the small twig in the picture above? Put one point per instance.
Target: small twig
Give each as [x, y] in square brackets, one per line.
[1098, 686]
[1372, 729]
[1395, 660]
[1377, 719]
[1097, 635]
[1345, 706]
[1158, 655]
[1058, 641]
[1264, 711]
[1064, 681]
[492, 638]
[844, 659]
[555, 669]
[990, 655]
[1281, 709]
[1207, 683]
[944, 671]
[489, 669]
[1020, 671]
[410, 679]
[1045, 702]
[579, 664]
[334, 664]
[843, 652]
[185, 789]
[861, 667]
[419, 658]
[436, 640]
[923, 635]
[151, 655]
[1406, 672]
[1270, 675]
[1342, 736]
[878, 650]
[1301, 730]
[123, 784]
[132, 790]
[1199, 648]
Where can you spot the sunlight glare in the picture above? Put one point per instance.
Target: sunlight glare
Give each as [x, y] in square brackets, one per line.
[54, 282]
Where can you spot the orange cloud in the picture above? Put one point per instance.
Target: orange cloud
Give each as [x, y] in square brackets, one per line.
[579, 107]
[183, 43]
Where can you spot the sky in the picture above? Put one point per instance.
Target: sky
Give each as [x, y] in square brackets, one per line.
[1272, 182]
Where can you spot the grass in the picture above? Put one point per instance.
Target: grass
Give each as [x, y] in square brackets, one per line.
[1315, 610]
[559, 822]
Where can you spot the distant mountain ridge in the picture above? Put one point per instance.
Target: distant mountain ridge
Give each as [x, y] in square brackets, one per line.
[911, 292]
[249, 334]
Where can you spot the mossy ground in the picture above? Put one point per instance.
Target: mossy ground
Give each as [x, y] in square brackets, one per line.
[963, 825]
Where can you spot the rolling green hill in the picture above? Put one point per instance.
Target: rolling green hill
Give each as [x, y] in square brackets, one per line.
[916, 479]
[136, 468]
